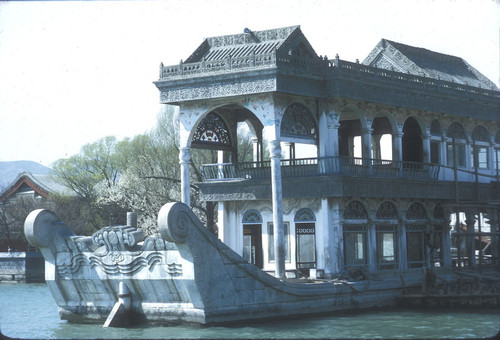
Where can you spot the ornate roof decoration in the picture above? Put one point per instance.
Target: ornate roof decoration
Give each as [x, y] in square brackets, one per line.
[395, 56]
[251, 216]
[251, 43]
[297, 122]
[355, 211]
[212, 131]
[305, 215]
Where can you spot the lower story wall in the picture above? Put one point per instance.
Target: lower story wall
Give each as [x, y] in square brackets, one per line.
[335, 236]
[26, 267]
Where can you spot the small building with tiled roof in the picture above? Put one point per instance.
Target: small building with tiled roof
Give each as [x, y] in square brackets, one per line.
[38, 186]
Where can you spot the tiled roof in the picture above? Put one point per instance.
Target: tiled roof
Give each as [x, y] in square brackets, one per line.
[244, 44]
[423, 62]
[45, 185]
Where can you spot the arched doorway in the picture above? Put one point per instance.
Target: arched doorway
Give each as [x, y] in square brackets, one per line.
[412, 141]
[305, 231]
[252, 237]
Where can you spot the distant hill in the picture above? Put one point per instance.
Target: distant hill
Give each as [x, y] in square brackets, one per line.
[10, 170]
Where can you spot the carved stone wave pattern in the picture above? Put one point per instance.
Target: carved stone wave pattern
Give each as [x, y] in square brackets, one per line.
[129, 268]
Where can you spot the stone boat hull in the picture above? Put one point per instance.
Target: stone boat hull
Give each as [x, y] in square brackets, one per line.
[185, 274]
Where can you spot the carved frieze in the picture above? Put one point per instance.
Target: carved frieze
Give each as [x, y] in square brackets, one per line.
[115, 250]
[217, 90]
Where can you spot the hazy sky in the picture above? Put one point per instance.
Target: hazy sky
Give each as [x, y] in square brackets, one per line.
[72, 72]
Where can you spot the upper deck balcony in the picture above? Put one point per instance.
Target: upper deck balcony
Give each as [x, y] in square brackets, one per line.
[337, 176]
[308, 167]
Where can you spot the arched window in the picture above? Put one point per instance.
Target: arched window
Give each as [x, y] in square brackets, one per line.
[305, 215]
[455, 148]
[415, 238]
[387, 210]
[298, 123]
[416, 211]
[252, 216]
[212, 133]
[305, 228]
[355, 235]
[387, 236]
[480, 140]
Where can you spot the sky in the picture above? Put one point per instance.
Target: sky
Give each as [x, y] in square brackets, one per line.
[72, 72]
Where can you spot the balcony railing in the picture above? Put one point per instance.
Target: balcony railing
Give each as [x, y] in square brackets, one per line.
[306, 167]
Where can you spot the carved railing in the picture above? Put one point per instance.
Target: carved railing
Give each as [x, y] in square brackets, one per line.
[186, 70]
[305, 167]
[213, 66]
[316, 66]
[382, 74]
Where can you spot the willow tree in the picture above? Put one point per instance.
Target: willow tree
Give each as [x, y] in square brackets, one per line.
[95, 165]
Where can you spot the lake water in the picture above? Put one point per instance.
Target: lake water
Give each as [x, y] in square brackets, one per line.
[28, 311]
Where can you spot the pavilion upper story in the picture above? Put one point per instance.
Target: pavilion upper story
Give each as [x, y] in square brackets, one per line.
[405, 112]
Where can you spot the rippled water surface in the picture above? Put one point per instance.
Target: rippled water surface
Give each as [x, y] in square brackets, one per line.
[28, 311]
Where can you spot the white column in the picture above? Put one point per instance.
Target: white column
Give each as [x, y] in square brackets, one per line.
[470, 240]
[426, 145]
[328, 128]
[255, 145]
[377, 152]
[491, 160]
[397, 147]
[372, 246]
[277, 197]
[446, 245]
[184, 160]
[402, 250]
[366, 141]
[328, 238]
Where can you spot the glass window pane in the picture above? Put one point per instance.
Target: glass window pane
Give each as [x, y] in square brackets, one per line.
[306, 251]
[415, 243]
[461, 155]
[360, 252]
[354, 248]
[482, 157]
[270, 232]
[386, 249]
[247, 248]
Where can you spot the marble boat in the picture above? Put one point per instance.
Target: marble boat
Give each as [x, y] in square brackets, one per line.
[184, 274]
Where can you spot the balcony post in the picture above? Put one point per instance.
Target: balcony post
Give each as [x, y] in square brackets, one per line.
[277, 197]
[426, 148]
[366, 141]
[494, 239]
[470, 220]
[256, 153]
[184, 160]
[397, 146]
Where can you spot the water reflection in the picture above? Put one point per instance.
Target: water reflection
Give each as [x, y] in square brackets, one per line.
[28, 311]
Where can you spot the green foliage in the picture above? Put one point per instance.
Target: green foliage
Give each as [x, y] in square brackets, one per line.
[139, 174]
